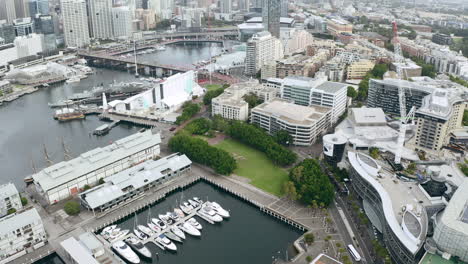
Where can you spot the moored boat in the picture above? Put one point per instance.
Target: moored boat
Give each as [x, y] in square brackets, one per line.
[126, 252]
[138, 247]
[190, 229]
[164, 241]
[195, 223]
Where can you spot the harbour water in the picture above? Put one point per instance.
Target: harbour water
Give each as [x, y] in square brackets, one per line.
[248, 236]
[26, 124]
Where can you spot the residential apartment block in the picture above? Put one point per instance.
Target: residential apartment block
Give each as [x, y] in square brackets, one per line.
[20, 233]
[305, 124]
[10, 199]
[75, 23]
[262, 48]
[359, 69]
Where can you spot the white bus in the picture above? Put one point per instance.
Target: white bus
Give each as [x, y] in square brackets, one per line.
[354, 253]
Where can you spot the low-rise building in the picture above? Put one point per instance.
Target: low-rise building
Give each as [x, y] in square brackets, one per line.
[409, 69]
[76, 253]
[5, 87]
[359, 69]
[442, 39]
[304, 123]
[10, 200]
[336, 26]
[134, 181]
[19, 234]
[68, 178]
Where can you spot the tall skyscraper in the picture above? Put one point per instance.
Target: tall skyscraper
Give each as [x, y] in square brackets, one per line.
[225, 6]
[45, 25]
[122, 21]
[271, 16]
[75, 23]
[38, 7]
[7, 32]
[100, 12]
[21, 8]
[284, 8]
[7, 10]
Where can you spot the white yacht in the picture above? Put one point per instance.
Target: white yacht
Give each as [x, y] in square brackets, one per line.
[196, 199]
[108, 230]
[186, 207]
[159, 223]
[209, 213]
[163, 240]
[190, 229]
[126, 252]
[160, 47]
[177, 232]
[137, 246]
[140, 234]
[193, 203]
[145, 230]
[166, 218]
[154, 227]
[179, 212]
[195, 223]
[73, 79]
[218, 209]
[118, 234]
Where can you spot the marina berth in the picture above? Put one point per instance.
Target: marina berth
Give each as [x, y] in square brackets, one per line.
[194, 223]
[166, 243]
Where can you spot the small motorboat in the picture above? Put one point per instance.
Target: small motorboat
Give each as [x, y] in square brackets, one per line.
[73, 79]
[145, 230]
[164, 241]
[173, 237]
[108, 230]
[126, 252]
[195, 223]
[119, 234]
[138, 247]
[186, 207]
[196, 199]
[208, 212]
[140, 234]
[179, 212]
[166, 218]
[189, 229]
[159, 223]
[193, 203]
[218, 209]
[154, 227]
[174, 216]
[177, 232]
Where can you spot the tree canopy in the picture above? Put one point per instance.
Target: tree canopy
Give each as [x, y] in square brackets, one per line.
[198, 126]
[260, 140]
[189, 110]
[199, 151]
[283, 137]
[311, 183]
[352, 92]
[252, 99]
[72, 208]
[212, 94]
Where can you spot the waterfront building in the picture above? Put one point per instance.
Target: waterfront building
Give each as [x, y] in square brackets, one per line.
[76, 252]
[5, 86]
[7, 53]
[38, 7]
[336, 26]
[20, 233]
[442, 39]
[122, 22]
[75, 23]
[10, 199]
[24, 26]
[32, 44]
[451, 225]
[7, 10]
[134, 181]
[304, 123]
[100, 14]
[68, 178]
[440, 114]
[357, 70]
[271, 13]
[7, 32]
[396, 208]
[262, 48]
[314, 92]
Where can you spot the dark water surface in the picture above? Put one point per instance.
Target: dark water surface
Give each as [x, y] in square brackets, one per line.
[249, 236]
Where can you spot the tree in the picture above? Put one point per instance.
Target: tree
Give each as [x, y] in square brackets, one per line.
[311, 183]
[86, 187]
[101, 181]
[24, 201]
[252, 99]
[379, 70]
[219, 123]
[283, 137]
[212, 94]
[72, 208]
[11, 211]
[199, 126]
[309, 259]
[374, 152]
[189, 110]
[352, 92]
[290, 190]
[309, 238]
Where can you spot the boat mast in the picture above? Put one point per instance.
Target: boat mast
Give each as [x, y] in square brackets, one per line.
[135, 54]
[46, 155]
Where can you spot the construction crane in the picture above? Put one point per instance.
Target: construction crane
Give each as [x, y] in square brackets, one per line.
[405, 117]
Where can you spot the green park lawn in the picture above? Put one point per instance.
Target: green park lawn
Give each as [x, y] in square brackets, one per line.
[254, 165]
[210, 87]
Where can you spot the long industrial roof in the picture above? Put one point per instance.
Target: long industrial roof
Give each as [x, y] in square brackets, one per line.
[92, 160]
[11, 223]
[134, 178]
